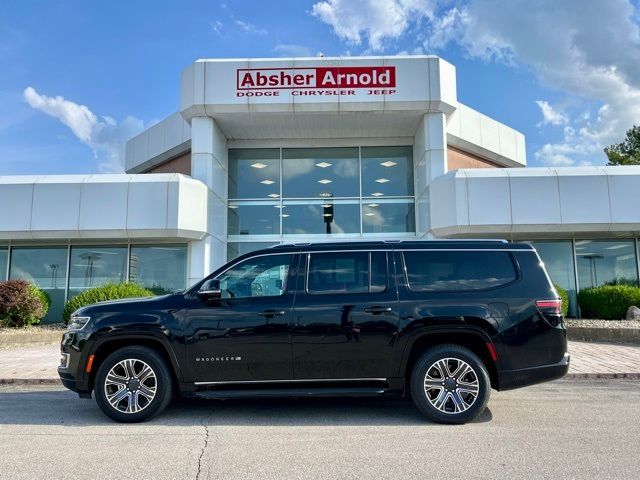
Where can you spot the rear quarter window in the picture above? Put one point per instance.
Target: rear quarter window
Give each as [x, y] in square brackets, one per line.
[442, 271]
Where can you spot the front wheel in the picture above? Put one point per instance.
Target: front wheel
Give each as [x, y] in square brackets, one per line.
[133, 384]
[450, 384]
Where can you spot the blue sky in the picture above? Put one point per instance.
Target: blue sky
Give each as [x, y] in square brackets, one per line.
[553, 70]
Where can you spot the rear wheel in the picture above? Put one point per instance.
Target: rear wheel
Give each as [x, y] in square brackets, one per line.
[133, 384]
[450, 384]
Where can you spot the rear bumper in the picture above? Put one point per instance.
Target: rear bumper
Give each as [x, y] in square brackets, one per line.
[509, 379]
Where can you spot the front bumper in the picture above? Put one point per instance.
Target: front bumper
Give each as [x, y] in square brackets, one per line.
[73, 351]
[510, 379]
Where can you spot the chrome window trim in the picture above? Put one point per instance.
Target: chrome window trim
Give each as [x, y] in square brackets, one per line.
[306, 380]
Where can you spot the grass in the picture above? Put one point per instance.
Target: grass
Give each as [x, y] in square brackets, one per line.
[33, 336]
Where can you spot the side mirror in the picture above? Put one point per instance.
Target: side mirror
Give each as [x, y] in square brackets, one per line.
[210, 290]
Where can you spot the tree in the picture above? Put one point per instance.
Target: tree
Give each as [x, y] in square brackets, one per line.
[627, 152]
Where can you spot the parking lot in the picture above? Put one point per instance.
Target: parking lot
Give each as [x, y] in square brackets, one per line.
[565, 429]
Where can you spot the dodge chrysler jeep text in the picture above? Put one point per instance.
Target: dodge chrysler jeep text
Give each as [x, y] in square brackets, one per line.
[441, 322]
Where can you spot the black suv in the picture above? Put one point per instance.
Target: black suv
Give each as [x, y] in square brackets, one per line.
[440, 321]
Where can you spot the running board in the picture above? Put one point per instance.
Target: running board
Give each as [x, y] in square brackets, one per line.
[292, 392]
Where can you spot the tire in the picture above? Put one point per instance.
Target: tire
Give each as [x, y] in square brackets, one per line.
[133, 398]
[456, 396]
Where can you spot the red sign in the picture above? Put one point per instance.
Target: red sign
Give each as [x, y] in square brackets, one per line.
[315, 77]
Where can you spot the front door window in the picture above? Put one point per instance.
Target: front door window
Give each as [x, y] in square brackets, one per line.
[263, 276]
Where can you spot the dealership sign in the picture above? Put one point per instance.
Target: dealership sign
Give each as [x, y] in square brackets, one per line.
[315, 80]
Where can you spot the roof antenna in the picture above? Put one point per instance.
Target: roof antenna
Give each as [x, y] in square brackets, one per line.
[320, 55]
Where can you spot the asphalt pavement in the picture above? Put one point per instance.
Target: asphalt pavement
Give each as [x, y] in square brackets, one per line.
[565, 429]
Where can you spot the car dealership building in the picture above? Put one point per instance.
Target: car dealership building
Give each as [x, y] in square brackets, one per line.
[266, 151]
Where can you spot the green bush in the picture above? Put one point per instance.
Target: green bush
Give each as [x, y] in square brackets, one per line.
[22, 303]
[109, 291]
[44, 297]
[565, 299]
[609, 302]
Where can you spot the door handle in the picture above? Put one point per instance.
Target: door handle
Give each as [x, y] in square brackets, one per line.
[377, 310]
[272, 313]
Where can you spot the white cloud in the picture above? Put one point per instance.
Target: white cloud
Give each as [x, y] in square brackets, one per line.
[250, 27]
[594, 55]
[105, 136]
[550, 115]
[216, 26]
[589, 52]
[292, 50]
[377, 20]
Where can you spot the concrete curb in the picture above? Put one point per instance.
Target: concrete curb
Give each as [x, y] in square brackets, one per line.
[609, 335]
[30, 381]
[604, 376]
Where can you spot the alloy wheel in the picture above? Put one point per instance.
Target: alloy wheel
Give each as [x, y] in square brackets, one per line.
[130, 386]
[451, 385]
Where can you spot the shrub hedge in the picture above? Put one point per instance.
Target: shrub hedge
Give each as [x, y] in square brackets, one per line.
[108, 291]
[609, 302]
[565, 299]
[22, 303]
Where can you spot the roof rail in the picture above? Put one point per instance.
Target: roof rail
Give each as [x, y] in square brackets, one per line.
[392, 241]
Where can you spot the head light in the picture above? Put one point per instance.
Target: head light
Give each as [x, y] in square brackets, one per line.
[78, 323]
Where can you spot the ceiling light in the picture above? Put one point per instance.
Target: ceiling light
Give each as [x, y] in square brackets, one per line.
[278, 206]
[388, 163]
[377, 194]
[373, 205]
[383, 180]
[285, 215]
[326, 205]
[326, 214]
[233, 206]
[267, 182]
[258, 165]
[273, 195]
[369, 214]
[323, 164]
[324, 181]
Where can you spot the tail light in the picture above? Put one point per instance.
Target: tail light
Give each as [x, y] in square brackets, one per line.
[550, 307]
[551, 311]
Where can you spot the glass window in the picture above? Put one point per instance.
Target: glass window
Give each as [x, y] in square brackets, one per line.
[557, 257]
[254, 219]
[387, 171]
[603, 262]
[341, 191]
[388, 217]
[160, 268]
[94, 266]
[264, 276]
[254, 173]
[457, 270]
[346, 272]
[47, 268]
[378, 271]
[320, 172]
[4, 260]
[235, 249]
[320, 217]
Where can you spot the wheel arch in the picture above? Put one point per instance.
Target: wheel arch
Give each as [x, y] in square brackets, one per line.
[106, 346]
[475, 340]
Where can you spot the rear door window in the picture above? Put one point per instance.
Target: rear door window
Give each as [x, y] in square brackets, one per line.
[442, 271]
[347, 272]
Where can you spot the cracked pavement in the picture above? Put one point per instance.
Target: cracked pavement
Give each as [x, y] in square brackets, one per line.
[565, 429]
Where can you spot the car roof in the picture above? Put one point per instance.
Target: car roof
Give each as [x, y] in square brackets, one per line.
[447, 244]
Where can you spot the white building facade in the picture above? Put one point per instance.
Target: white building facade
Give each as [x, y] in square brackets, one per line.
[265, 151]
